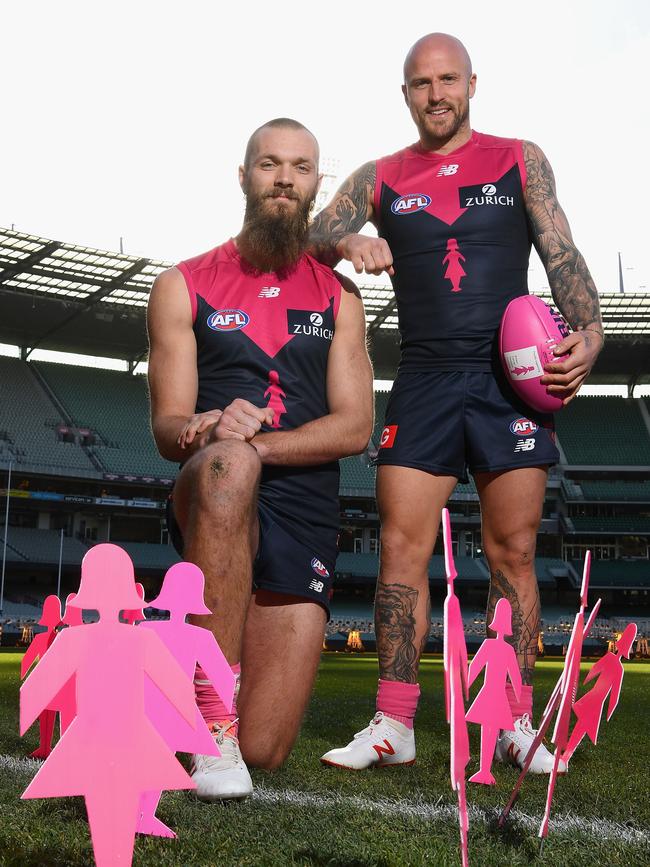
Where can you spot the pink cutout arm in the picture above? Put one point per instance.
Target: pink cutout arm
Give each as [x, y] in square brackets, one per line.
[615, 694]
[169, 677]
[595, 670]
[515, 677]
[52, 673]
[477, 664]
[32, 654]
[216, 667]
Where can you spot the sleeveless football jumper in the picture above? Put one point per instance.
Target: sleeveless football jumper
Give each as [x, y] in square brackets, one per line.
[458, 231]
[266, 338]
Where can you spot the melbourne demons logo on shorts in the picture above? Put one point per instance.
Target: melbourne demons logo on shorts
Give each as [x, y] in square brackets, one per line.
[319, 568]
[523, 427]
[228, 320]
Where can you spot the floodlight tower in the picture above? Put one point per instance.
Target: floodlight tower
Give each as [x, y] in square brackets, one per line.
[330, 169]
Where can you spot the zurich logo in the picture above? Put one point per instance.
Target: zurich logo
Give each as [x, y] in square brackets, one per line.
[410, 204]
[488, 189]
[523, 427]
[318, 568]
[316, 319]
[228, 320]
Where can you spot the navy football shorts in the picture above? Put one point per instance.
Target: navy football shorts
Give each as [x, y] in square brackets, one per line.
[449, 422]
[283, 563]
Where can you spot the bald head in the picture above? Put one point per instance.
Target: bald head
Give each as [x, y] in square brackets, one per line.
[436, 43]
[276, 123]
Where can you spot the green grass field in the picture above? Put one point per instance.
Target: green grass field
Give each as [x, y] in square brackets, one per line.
[307, 814]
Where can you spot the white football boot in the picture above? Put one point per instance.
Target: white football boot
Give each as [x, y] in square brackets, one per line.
[224, 777]
[512, 748]
[384, 742]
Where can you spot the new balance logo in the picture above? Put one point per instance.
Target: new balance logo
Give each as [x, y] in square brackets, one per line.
[387, 750]
[512, 754]
[316, 586]
[526, 445]
[269, 292]
[447, 170]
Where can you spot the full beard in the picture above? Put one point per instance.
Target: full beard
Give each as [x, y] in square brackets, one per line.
[272, 241]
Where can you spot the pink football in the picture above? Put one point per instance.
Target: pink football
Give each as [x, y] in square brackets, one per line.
[529, 331]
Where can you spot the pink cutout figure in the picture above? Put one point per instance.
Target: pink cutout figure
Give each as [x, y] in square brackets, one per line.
[455, 271]
[589, 708]
[134, 615]
[568, 689]
[182, 594]
[50, 618]
[490, 707]
[456, 688]
[66, 701]
[275, 394]
[551, 706]
[111, 753]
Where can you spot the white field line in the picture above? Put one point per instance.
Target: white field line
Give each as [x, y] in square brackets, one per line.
[566, 824]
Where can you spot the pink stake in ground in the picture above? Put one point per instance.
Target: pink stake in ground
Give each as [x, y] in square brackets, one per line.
[568, 690]
[491, 708]
[51, 619]
[182, 594]
[545, 721]
[456, 688]
[111, 753]
[589, 709]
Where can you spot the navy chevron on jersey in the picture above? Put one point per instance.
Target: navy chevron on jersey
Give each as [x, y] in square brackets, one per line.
[457, 228]
[266, 339]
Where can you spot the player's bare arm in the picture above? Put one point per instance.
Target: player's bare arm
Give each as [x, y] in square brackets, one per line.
[346, 429]
[571, 284]
[173, 379]
[335, 232]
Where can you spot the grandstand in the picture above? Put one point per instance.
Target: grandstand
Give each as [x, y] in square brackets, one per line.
[84, 468]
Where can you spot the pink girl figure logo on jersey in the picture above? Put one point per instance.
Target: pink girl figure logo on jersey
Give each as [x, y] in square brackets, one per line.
[111, 753]
[491, 708]
[275, 394]
[50, 618]
[452, 260]
[589, 709]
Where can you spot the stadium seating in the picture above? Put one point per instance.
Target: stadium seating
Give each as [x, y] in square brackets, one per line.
[381, 402]
[42, 546]
[357, 477]
[602, 431]
[611, 524]
[634, 491]
[618, 573]
[115, 406]
[28, 423]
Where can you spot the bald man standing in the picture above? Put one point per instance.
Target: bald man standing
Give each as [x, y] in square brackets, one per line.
[456, 214]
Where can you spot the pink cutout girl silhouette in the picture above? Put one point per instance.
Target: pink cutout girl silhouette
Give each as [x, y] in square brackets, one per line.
[490, 707]
[51, 618]
[182, 594]
[589, 708]
[275, 395]
[111, 753]
[453, 259]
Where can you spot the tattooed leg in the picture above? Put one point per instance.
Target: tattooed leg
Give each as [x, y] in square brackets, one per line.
[395, 626]
[525, 605]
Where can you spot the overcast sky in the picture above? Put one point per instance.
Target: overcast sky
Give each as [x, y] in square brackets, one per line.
[130, 119]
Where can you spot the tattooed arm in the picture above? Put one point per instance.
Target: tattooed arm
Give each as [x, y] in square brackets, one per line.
[334, 232]
[573, 289]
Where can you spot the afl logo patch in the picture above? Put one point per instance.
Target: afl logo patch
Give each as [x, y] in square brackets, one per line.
[318, 568]
[410, 204]
[228, 320]
[523, 426]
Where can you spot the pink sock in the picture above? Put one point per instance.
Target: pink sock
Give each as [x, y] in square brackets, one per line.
[525, 703]
[398, 700]
[208, 702]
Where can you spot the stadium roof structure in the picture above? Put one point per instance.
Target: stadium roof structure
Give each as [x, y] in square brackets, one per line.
[61, 296]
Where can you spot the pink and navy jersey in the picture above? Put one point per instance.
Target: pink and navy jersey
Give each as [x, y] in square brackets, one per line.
[457, 227]
[266, 339]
